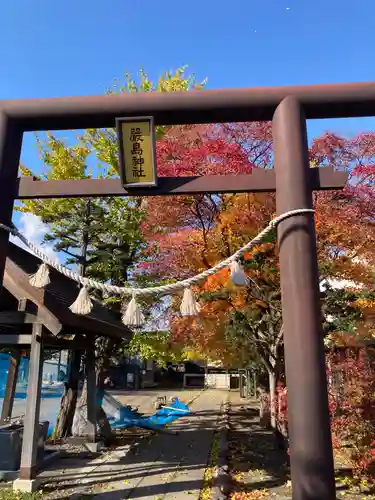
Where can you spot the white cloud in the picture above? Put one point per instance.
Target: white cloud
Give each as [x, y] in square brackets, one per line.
[33, 228]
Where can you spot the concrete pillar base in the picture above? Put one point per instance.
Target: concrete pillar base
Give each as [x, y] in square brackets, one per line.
[94, 447]
[26, 485]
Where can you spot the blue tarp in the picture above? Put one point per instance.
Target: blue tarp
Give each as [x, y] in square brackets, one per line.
[132, 418]
[127, 417]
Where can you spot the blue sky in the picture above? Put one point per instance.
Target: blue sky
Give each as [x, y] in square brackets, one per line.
[63, 48]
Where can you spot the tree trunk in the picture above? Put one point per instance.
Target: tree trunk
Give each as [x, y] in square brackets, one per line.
[273, 402]
[85, 242]
[68, 402]
[80, 418]
[264, 411]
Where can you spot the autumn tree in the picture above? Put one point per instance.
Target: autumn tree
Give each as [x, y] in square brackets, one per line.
[349, 316]
[197, 232]
[350, 363]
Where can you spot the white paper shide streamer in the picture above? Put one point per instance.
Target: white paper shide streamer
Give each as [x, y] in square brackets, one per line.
[189, 306]
[41, 278]
[237, 274]
[133, 315]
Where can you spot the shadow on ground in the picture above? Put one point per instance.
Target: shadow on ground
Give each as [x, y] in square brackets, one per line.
[158, 465]
[255, 458]
[259, 464]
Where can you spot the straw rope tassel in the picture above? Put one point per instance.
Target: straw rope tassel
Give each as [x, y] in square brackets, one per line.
[41, 278]
[83, 303]
[189, 306]
[133, 315]
[237, 274]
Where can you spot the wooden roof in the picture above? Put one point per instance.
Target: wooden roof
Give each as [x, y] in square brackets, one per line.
[54, 300]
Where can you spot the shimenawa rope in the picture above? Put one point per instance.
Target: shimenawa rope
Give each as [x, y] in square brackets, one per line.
[83, 304]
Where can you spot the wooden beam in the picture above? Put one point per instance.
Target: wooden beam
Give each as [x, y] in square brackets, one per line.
[46, 303]
[23, 339]
[86, 324]
[49, 320]
[259, 180]
[27, 305]
[15, 339]
[26, 310]
[21, 288]
[17, 318]
[14, 363]
[337, 100]
[28, 467]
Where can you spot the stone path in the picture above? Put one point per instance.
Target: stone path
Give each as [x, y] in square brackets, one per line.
[165, 466]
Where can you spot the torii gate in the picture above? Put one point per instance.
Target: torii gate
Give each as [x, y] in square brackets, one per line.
[310, 437]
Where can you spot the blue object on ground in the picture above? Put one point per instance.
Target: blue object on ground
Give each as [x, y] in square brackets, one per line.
[127, 417]
[166, 415]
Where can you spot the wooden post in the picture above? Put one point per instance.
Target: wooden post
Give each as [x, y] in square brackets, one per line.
[28, 468]
[59, 367]
[14, 363]
[25, 306]
[91, 393]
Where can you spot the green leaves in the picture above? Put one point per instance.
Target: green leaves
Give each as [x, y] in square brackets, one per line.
[157, 346]
[170, 81]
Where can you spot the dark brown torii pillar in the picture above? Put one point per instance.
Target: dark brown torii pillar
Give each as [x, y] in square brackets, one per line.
[309, 423]
[10, 150]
